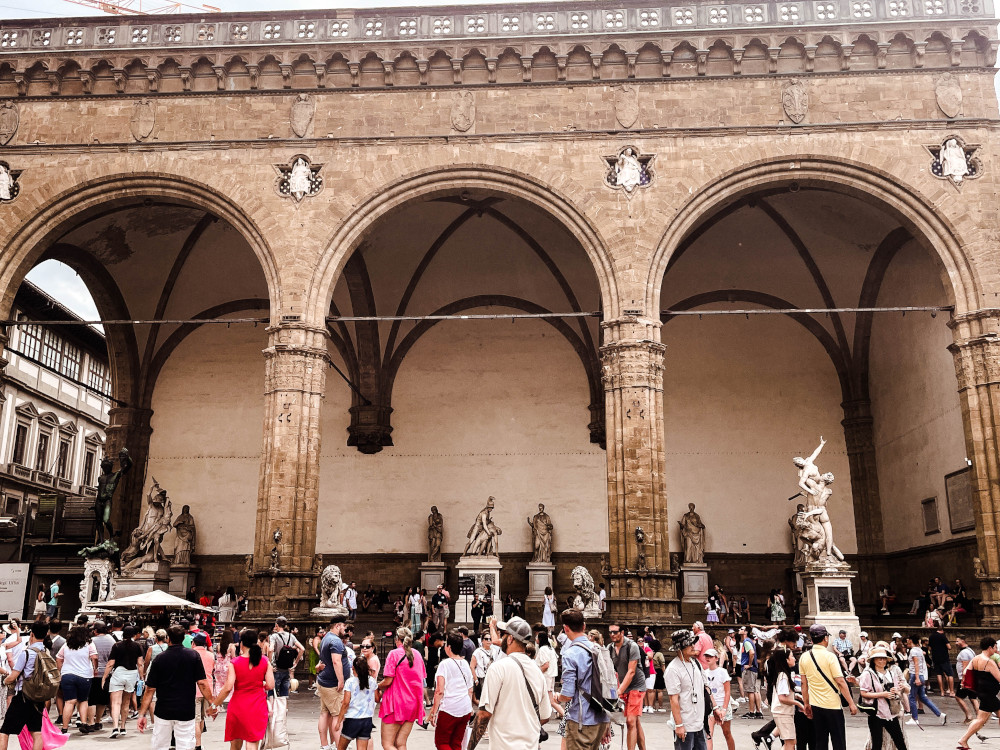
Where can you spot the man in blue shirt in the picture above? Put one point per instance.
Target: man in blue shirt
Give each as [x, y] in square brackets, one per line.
[54, 595]
[330, 681]
[585, 725]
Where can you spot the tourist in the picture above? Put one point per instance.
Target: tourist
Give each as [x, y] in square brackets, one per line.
[882, 685]
[99, 698]
[985, 685]
[77, 660]
[173, 677]
[918, 682]
[650, 673]
[749, 671]
[703, 643]
[513, 716]
[433, 656]
[159, 645]
[401, 692]
[685, 682]
[358, 707]
[56, 641]
[21, 712]
[202, 705]
[452, 706]
[823, 684]
[468, 645]
[594, 636]
[484, 656]
[941, 657]
[368, 598]
[965, 655]
[314, 664]
[659, 667]
[439, 605]
[627, 657]
[286, 651]
[719, 681]
[351, 601]
[860, 659]
[781, 695]
[368, 651]
[330, 680]
[548, 663]
[586, 724]
[41, 607]
[54, 594]
[227, 652]
[399, 612]
[227, 606]
[122, 672]
[844, 649]
[602, 596]
[549, 607]
[476, 611]
[250, 676]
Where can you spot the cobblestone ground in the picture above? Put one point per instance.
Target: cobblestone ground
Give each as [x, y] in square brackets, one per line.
[304, 708]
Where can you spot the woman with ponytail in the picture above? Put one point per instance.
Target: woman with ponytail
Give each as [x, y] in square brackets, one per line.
[249, 678]
[401, 692]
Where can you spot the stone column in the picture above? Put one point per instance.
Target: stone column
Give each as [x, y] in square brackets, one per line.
[977, 364]
[128, 426]
[642, 586]
[282, 570]
[859, 435]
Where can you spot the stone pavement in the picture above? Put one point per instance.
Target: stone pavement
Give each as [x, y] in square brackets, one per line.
[304, 708]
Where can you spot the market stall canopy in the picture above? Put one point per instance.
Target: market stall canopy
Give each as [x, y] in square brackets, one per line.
[153, 599]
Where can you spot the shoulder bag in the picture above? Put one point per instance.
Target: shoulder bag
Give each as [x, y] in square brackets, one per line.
[542, 734]
[831, 683]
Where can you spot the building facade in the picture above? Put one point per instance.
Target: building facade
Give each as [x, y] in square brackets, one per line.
[621, 166]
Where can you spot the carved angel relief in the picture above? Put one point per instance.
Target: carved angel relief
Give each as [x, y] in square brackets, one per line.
[629, 170]
[955, 160]
[9, 187]
[299, 178]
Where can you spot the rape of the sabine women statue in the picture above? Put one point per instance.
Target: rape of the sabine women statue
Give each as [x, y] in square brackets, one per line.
[483, 535]
[812, 524]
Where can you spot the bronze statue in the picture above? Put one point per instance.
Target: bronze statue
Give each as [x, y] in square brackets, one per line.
[106, 485]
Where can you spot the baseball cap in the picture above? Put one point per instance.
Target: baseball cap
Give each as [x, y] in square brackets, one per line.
[731, 630]
[711, 652]
[818, 632]
[896, 635]
[864, 634]
[517, 628]
[199, 639]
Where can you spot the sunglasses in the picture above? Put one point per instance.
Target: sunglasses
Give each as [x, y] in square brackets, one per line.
[367, 645]
[614, 632]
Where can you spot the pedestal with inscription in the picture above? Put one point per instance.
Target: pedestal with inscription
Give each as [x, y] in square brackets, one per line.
[829, 599]
[476, 575]
[433, 574]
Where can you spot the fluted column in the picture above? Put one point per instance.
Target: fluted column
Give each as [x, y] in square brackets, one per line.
[287, 503]
[643, 588]
[977, 364]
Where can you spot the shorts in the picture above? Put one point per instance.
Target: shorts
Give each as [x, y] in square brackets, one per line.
[357, 729]
[74, 687]
[98, 693]
[728, 716]
[650, 681]
[330, 699]
[282, 682]
[633, 702]
[123, 680]
[201, 704]
[786, 725]
[749, 681]
[22, 713]
[580, 737]
[945, 669]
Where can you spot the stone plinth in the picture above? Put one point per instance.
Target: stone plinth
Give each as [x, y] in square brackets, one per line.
[433, 574]
[151, 576]
[182, 577]
[694, 580]
[474, 575]
[829, 600]
[539, 577]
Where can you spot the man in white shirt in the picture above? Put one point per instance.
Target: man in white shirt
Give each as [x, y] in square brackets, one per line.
[965, 655]
[602, 594]
[685, 683]
[351, 601]
[515, 720]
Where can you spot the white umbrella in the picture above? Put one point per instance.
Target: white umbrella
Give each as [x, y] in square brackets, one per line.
[152, 599]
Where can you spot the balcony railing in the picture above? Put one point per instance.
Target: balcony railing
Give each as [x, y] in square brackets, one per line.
[22, 472]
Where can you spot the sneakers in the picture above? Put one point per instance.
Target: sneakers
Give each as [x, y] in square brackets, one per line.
[943, 718]
[912, 723]
[121, 732]
[133, 714]
[114, 733]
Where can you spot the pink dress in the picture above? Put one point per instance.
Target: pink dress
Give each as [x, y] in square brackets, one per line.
[246, 717]
[403, 700]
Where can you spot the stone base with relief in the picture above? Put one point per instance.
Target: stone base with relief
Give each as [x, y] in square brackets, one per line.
[829, 600]
[476, 575]
[182, 577]
[150, 576]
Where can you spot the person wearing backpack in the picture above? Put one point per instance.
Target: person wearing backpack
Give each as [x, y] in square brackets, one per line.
[31, 685]
[286, 651]
[587, 722]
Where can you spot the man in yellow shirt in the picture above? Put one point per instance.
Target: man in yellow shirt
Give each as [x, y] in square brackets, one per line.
[823, 684]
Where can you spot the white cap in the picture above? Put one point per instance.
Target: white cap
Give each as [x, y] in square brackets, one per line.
[896, 635]
[864, 634]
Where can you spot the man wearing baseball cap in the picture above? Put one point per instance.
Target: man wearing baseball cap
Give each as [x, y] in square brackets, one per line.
[823, 684]
[515, 719]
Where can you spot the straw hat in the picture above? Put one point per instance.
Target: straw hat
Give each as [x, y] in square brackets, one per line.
[878, 653]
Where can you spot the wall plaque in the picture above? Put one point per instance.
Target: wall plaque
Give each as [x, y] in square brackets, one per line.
[961, 511]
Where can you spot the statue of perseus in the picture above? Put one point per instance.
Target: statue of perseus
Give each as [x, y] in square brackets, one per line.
[107, 482]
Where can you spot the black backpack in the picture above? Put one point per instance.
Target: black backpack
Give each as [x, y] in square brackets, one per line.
[286, 655]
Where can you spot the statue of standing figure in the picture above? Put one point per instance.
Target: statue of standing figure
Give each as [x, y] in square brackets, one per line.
[435, 533]
[483, 535]
[692, 537]
[541, 535]
[184, 526]
[816, 489]
[106, 485]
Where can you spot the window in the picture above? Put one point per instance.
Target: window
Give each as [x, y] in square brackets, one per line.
[88, 469]
[62, 466]
[70, 365]
[51, 349]
[31, 341]
[42, 454]
[97, 377]
[20, 443]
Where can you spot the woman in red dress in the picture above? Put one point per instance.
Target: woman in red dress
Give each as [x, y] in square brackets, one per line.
[250, 677]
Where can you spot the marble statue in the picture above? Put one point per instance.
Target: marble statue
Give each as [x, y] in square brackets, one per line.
[184, 526]
[692, 537]
[435, 533]
[815, 531]
[628, 170]
[298, 180]
[483, 536]
[107, 482]
[953, 161]
[6, 182]
[331, 583]
[541, 536]
[798, 544]
[586, 597]
[147, 536]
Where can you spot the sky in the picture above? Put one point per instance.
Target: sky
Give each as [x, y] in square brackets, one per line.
[61, 282]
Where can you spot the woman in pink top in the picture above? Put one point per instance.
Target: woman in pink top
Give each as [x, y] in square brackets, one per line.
[401, 692]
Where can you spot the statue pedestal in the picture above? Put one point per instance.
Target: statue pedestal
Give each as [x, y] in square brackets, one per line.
[98, 584]
[433, 574]
[829, 600]
[151, 576]
[474, 575]
[694, 580]
[539, 577]
[182, 577]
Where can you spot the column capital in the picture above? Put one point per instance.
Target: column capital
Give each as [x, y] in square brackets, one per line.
[974, 323]
[632, 364]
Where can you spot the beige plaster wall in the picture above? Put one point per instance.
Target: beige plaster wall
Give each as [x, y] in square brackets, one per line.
[918, 420]
[208, 413]
[742, 398]
[481, 408]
